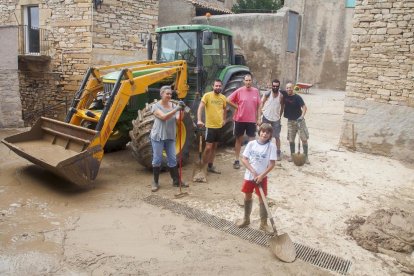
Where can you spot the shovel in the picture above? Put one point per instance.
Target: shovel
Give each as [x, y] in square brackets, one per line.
[280, 245]
[199, 171]
[299, 158]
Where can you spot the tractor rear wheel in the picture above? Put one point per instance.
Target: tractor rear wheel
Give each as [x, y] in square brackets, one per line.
[234, 83]
[141, 143]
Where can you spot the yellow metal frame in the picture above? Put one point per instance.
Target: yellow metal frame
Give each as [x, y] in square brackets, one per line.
[129, 87]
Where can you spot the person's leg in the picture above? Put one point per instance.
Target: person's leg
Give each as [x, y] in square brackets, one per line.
[157, 147]
[251, 131]
[292, 129]
[247, 189]
[207, 152]
[211, 167]
[237, 148]
[169, 146]
[239, 129]
[277, 127]
[304, 136]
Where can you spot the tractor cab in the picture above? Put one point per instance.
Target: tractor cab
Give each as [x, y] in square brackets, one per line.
[207, 50]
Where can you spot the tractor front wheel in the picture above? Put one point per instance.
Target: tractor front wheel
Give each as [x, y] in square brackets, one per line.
[141, 142]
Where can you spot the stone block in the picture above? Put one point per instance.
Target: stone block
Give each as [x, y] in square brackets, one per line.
[383, 92]
[355, 110]
[394, 31]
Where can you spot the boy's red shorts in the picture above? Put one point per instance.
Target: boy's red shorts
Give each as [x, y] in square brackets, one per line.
[249, 186]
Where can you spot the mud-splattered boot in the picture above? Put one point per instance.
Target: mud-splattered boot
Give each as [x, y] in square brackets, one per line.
[155, 183]
[247, 211]
[176, 178]
[263, 220]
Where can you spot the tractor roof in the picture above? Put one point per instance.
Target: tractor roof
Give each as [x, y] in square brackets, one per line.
[180, 28]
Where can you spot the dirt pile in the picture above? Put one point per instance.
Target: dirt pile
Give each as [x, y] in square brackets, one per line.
[389, 232]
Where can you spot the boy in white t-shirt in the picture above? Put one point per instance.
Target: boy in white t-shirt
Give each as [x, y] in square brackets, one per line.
[259, 159]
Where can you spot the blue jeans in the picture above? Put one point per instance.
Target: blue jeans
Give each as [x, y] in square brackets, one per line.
[157, 148]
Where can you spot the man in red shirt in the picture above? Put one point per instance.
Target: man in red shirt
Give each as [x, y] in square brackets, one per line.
[246, 100]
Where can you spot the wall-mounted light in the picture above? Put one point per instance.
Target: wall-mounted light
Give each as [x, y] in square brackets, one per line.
[97, 3]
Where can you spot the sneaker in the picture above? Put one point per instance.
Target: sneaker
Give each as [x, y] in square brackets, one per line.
[290, 158]
[279, 156]
[307, 161]
[236, 165]
[213, 169]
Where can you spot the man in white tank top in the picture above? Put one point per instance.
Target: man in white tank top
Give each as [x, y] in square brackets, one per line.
[272, 107]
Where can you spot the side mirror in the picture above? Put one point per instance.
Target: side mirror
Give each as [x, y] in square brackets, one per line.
[207, 37]
[149, 48]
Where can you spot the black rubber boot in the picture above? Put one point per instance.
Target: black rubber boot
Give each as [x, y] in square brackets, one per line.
[292, 150]
[155, 184]
[247, 211]
[305, 151]
[176, 177]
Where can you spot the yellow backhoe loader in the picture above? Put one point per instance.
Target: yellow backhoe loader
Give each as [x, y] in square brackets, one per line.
[75, 152]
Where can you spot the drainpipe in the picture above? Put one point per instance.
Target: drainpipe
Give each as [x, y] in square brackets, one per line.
[300, 42]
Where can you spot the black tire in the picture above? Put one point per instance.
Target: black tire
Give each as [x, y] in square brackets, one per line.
[234, 83]
[116, 141]
[140, 137]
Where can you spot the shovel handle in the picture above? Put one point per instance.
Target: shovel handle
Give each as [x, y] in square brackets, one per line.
[269, 214]
[200, 144]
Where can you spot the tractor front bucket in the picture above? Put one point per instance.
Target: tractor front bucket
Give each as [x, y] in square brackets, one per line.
[70, 151]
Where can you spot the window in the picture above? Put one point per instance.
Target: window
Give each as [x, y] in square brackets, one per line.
[31, 19]
[293, 26]
[175, 46]
[218, 53]
[349, 3]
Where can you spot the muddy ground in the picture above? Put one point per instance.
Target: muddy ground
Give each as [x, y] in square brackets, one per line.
[48, 226]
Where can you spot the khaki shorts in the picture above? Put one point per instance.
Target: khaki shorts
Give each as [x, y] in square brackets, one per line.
[294, 127]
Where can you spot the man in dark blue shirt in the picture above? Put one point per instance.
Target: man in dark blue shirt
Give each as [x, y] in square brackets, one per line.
[295, 110]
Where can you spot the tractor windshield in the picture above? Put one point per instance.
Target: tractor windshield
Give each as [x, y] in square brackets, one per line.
[176, 46]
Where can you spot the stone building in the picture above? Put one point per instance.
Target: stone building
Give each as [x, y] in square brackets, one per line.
[50, 45]
[379, 105]
[59, 40]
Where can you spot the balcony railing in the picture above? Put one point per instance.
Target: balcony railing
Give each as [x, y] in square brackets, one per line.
[33, 41]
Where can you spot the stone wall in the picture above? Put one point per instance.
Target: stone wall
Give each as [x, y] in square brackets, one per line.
[118, 28]
[10, 105]
[379, 105]
[79, 36]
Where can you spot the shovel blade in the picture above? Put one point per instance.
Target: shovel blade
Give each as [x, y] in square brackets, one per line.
[299, 159]
[283, 248]
[200, 172]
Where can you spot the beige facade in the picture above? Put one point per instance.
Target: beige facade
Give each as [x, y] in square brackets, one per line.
[324, 43]
[379, 107]
[266, 51]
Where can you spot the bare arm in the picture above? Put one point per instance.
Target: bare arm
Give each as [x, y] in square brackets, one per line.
[304, 109]
[224, 115]
[246, 163]
[199, 114]
[165, 116]
[270, 167]
[282, 105]
[235, 106]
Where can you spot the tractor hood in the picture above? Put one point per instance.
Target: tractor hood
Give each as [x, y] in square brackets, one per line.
[113, 76]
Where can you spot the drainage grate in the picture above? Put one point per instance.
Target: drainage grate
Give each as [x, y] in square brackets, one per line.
[305, 253]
